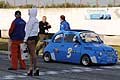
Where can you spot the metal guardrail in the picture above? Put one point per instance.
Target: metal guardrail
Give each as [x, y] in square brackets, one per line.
[4, 34]
[108, 39]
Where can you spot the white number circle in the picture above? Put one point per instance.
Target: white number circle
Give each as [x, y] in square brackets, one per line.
[69, 52]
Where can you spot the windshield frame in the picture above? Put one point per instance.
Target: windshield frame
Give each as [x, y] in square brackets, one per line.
[98, 39]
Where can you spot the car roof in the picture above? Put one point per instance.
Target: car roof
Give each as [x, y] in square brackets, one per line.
[81, 30]
[74, 31]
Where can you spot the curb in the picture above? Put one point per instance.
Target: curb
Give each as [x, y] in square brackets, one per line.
[4, 52]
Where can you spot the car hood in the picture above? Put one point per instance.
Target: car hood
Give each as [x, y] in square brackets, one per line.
[98, 47]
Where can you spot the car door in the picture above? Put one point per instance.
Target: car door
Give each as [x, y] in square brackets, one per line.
[58, 47]
[72, 49]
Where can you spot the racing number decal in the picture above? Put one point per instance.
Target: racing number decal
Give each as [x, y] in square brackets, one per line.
[69, 54]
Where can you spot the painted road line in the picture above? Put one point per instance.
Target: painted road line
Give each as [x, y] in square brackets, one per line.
[76, 70]
[111, 67]
[73, 69]
[41, 73]
[65, 71]
[107, 67]
[117, 67]
[76, 67]
[87, 69]
[98, 69]
[9, 77]
[84, 68]
[52, 72]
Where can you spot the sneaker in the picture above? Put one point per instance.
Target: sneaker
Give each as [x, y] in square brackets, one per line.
[30, 73]
[23, 68]
[36, 73]
[11, 69]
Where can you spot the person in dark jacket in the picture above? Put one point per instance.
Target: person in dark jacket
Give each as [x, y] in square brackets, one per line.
[44, 27]
[64, 25]
[17, 34]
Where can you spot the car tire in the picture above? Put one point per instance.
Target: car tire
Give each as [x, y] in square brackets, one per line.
[112, 64]
[47, 57]
[85, 60]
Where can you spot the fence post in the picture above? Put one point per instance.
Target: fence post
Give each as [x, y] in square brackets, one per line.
[0, 33]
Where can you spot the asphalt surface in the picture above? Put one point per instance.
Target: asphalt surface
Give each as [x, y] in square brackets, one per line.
[60, 71]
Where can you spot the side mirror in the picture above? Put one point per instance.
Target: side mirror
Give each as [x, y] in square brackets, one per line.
[76, 41]
[102, 41]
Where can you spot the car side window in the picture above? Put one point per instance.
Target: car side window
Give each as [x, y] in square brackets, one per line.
[58, 38]
[69, 38]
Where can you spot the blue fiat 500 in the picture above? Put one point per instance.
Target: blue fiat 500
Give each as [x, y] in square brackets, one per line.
[79, 46]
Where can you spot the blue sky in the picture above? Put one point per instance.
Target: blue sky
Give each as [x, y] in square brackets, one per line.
[92, 2]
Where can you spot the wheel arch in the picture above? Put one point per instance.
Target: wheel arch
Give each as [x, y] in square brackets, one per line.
[85, 54]
[45, 53]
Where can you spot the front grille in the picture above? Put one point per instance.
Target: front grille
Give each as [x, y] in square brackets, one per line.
[110, 54]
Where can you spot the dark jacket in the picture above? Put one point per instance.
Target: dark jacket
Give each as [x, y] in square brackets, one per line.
[17, 29]
[43, 27]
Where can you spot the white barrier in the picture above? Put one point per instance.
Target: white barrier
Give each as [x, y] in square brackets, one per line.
[4, 34]
[111, 40]
[79, 18]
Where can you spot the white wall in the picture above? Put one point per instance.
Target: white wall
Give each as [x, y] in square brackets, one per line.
[77, 17]
[111, 40]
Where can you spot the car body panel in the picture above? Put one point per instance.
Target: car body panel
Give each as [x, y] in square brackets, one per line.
[63, 48]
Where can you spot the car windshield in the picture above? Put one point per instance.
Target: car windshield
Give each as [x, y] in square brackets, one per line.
[90, 37]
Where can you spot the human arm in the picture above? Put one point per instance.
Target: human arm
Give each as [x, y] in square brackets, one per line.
[11, 29]
[48, 26]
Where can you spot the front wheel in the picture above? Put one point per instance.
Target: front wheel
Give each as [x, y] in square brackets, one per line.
[47, 57]
[85, 60]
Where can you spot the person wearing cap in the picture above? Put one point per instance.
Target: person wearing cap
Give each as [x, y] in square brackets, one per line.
[17, 34]
[64, 25]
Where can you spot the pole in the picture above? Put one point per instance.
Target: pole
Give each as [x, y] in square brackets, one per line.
[44, 4]
[52, 1]
[26, 2]
[65, 3]
[114, 1]
[5, 1]
[39, 3]
[14, 3]
[97, 3]
[80, 3]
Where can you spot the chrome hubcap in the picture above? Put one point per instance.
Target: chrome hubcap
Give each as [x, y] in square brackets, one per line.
[85, 61]
[46, 58]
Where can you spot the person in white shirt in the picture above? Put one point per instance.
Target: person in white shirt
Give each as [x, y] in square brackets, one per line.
[31, 29]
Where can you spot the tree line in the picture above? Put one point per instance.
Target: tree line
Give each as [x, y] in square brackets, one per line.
[62, 5]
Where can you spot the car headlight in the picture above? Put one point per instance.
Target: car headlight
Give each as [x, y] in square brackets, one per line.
[116, 52]
[100, 54]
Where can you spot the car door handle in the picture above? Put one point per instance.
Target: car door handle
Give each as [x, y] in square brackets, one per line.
[62, 45]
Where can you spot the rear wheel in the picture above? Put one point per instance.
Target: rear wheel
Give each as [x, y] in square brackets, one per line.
[85, 60]
[47, 57]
